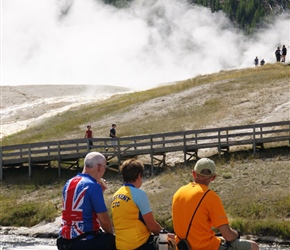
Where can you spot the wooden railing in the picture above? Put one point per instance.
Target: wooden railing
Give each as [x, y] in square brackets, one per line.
[189, 142]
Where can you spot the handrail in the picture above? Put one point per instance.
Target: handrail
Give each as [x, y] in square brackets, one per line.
[151, 144]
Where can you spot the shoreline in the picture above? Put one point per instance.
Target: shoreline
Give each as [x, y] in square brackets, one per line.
[50, 231]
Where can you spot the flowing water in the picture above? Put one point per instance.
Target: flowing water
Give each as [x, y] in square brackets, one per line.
[8, 242]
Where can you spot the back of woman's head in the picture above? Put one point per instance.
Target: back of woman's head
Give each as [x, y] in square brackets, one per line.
[130, 170]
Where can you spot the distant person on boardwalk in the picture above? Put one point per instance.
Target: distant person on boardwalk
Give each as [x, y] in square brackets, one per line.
[256, 61]
[133, 219]
[262, 62]
[113, 135]
[86, 223]
[278, 54]
[89, 134]
[284, 53]
[209, 214]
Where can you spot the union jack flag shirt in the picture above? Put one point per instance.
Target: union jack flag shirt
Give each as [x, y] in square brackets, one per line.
[82, 199]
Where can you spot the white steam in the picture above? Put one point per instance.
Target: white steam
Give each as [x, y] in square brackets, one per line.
[148, 43]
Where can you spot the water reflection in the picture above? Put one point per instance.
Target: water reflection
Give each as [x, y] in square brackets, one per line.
[8, 242]
[273, 247]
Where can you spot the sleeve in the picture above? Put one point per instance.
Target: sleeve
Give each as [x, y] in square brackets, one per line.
[217, 211]
[141, 200]
[98, 198]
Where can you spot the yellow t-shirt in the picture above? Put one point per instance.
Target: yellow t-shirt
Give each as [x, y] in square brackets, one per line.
[128, 206]
[210, 214]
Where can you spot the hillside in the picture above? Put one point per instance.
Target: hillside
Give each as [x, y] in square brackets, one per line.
[227, 98]
[252, 188]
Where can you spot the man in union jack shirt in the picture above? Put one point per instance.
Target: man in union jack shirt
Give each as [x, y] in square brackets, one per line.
[84, 211]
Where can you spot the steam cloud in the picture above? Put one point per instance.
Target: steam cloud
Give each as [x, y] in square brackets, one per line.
[148, 43]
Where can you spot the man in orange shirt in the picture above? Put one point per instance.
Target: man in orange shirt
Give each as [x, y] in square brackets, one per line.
[210, 213]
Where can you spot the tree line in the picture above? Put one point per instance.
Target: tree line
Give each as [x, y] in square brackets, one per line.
[245, 14]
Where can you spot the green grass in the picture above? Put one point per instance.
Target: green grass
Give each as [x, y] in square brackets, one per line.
[26, 213]
[254, 196]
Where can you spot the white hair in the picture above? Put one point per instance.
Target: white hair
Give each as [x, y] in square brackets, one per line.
[94, 158]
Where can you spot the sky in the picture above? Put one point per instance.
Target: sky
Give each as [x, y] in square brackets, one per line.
[150, 42]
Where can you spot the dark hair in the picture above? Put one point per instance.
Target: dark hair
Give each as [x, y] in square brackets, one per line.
[130, 169]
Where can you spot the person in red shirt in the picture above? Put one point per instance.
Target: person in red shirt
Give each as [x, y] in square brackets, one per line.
[89, 134]
[210, 213]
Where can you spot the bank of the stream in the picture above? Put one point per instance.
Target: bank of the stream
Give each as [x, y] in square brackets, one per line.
[22, 239]
[9, 242]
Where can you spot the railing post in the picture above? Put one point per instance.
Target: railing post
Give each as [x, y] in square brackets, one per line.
[59, 159]
[29, 162]
[254, 139]
[48, 154]
[77, 146]
[219, 142]
[119, 153]
[261, 132]
[1, 164]
[184, 148]
[289, 132]
[152, 155]
[88, 145]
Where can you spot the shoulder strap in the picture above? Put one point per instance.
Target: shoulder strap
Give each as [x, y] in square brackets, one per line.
[195, 212]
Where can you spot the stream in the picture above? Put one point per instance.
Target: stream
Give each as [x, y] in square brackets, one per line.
[8, 242]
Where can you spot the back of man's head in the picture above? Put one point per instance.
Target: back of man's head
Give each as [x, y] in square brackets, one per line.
[94, 158]
[205, 167]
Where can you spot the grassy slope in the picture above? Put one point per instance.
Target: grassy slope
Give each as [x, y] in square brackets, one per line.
[252, 189]
[200, 102]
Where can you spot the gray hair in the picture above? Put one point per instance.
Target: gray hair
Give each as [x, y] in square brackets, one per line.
[94, 158]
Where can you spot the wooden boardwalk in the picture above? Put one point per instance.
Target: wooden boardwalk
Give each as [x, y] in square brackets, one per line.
[69, 152]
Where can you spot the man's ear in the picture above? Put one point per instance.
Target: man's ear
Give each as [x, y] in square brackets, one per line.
[99, 168]
[193, 174]
[138, 177]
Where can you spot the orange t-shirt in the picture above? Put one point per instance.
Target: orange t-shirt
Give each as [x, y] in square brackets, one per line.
[210, 214]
